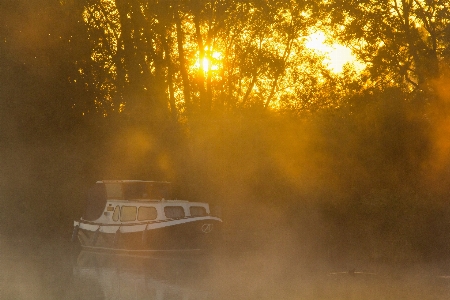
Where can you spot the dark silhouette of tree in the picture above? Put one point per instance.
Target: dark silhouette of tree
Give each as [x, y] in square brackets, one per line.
[404, 42]
[188, 57]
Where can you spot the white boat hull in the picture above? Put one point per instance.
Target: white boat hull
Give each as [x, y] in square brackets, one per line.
[187, 234]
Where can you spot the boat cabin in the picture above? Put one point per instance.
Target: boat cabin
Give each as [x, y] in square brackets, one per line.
[121, 201]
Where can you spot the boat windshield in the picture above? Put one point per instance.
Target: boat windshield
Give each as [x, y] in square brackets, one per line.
[138, 190]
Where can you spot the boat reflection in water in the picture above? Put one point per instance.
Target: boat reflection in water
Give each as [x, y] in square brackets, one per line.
[115, 276]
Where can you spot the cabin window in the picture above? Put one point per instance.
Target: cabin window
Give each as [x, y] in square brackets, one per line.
[197, 211]
[174, 212]
[128, 213]
[146, 213]
[115, 215]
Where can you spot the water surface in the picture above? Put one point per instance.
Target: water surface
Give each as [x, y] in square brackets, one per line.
[43, 269]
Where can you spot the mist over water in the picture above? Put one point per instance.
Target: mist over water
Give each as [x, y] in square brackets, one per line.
[350, 203]
[343, 203]
[326, 207]
[44, 269]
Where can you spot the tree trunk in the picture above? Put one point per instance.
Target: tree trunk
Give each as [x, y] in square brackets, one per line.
[183, 65]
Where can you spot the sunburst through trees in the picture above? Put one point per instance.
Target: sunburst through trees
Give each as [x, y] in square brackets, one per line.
[189, 56]
[183, 57]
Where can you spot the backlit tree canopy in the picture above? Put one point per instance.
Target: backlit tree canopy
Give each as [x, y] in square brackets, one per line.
[180, 57]
[175, 58]
[405, 43]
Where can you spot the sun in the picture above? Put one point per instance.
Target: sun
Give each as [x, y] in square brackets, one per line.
[205, 64]
[209, 63]
[336, 55]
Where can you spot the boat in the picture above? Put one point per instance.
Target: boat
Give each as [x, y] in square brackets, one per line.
[139, 217]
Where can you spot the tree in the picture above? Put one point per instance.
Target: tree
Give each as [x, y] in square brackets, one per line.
[405, 43]
[188, 57]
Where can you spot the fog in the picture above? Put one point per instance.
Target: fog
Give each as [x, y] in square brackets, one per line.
[51, 269]
[344, 203]
[323, 207]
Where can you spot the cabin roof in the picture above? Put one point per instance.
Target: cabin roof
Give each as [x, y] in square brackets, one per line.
[128, 180]
[163, 200]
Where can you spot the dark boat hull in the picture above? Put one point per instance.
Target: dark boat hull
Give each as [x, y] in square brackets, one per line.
[186, 237]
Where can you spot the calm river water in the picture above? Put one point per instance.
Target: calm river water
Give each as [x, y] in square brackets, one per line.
[38, 269]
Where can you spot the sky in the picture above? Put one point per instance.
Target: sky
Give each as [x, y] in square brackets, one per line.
[337, 55]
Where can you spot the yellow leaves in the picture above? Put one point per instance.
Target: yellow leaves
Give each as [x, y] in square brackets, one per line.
[85, 15]
[121, 107]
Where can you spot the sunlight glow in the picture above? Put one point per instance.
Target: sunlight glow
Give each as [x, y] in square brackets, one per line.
[208, 63]
[336, 55]
[205, 64]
